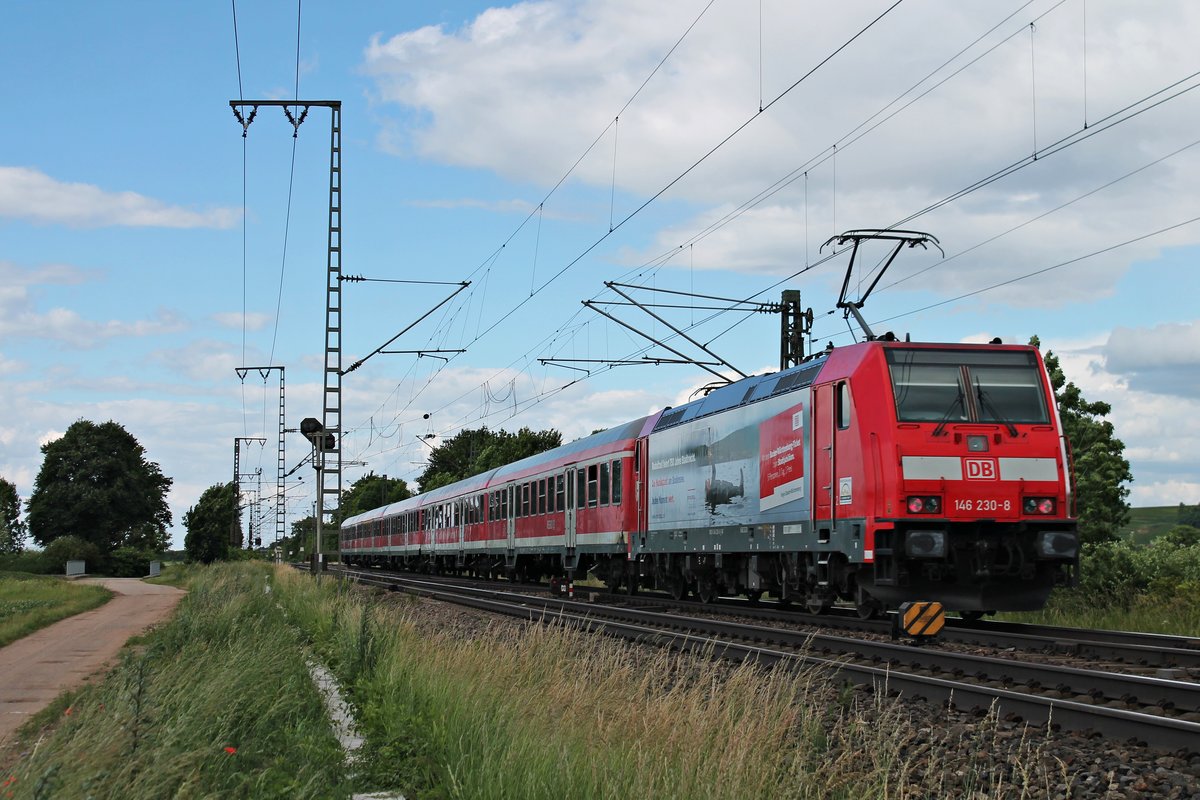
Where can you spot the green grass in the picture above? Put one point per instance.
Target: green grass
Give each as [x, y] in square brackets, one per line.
[483, 712]
[1147, 524]
[175, 574]
[555, 712]
[217, 703]
[30, 602]
[1177, 616]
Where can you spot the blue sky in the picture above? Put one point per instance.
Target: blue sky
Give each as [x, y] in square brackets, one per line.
[136, 272]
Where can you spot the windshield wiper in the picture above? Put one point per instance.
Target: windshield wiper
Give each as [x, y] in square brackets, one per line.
[941, 426]
[986, 402]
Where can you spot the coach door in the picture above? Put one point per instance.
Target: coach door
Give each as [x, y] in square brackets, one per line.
[830, 421]
[823, 455]
[463, 505]
[569, 511]
[511, 518]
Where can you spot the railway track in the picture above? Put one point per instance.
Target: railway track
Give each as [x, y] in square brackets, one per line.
[1123, 647]
[1168, 656]
[1160, 712]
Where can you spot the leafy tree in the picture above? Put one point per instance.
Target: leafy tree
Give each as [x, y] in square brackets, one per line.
[1182, 536]
[12, 529]
[470, 452]
[208, 524]
[96, 483]
[1101, 469]
[1189, 515]
[370, 491]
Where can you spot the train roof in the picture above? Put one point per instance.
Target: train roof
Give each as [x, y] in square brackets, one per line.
[612, 440]
[743, 392]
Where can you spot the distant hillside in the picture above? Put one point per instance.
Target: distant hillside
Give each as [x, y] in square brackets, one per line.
[1146, 524]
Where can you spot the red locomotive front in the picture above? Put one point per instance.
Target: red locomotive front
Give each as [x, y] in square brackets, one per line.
[973, 506]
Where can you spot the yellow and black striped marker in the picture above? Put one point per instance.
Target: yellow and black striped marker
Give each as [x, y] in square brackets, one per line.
[922, 619]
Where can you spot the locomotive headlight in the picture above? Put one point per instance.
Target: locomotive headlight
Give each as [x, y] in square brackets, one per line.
[925, 544]
[1057, 544]
[927, 504]
[1044, 506]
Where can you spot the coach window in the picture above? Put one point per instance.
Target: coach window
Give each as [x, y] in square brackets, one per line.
[604, 483]
[593, 479]
[843, 406]
[542, 496]
[525, 500]
[580, 488]
[616, 481]
[559, 493]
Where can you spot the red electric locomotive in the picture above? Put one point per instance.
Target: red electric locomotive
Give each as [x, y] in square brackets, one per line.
[879, 473]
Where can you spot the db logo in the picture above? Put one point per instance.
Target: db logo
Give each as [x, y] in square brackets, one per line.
[981, 469]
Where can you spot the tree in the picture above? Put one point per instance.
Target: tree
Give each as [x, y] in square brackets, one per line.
[1182, 536]
[208, 524]
[470, 452]
[1101, 469]
[12, 529]
[370, 491]
[1189, 515]
[96, 483]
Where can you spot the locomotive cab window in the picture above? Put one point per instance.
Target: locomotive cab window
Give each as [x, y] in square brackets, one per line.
[843, 405]
[962, 385]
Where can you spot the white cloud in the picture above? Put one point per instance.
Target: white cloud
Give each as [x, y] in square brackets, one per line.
[1165, 493]
[1161, 432]
[500, 206]
[49, 436]
[253, 320]
[21, 319]
[576, 64]
[1163, 359]
[31, 195]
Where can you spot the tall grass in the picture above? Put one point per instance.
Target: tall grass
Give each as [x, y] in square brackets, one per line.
[555, 713]
[217, 703]
[30, 602]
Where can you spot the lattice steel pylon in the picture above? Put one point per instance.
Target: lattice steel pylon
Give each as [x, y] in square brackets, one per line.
[235, 530]
[280, 460]
[331, 406]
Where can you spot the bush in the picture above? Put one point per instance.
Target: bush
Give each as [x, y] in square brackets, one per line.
[130, 562]
[1183, 536]
[1120, 575]
[33, 561]
[71, 548]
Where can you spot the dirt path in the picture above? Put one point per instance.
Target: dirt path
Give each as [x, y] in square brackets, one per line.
[44, 664]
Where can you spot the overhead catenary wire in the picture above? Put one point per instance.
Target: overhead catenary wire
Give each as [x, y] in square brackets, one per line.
[1047, 151]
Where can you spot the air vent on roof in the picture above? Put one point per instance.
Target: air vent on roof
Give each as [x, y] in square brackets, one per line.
[670, 418]
[789, 382]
